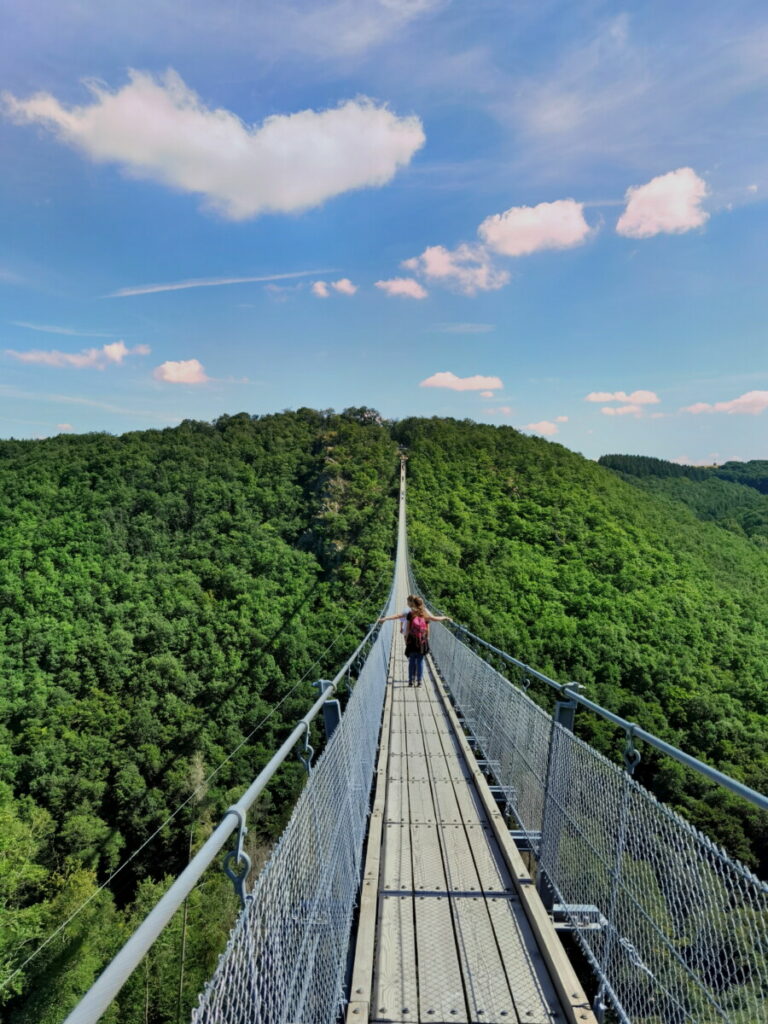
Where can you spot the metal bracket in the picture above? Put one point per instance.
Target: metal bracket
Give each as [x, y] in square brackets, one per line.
[308, 750]
[631, 753]
[237, 857]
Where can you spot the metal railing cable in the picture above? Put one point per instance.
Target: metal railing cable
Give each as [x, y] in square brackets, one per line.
[571, 691]
[106, 987]
[326, 833]
[674, 928]
[174, 814]
[286, 957]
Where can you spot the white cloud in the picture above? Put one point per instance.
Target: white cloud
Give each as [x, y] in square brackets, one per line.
[500, 410]
[405, 286]
[344, 286]
[670, 203]
[449, 380]
[636, 398]
[468, 268]
[543, 427]
[206, 282]
[526, 229]
[37, 397]
[87, 359]
[751, 188]
[64, 428]
[685, 460]
[561, 419]
[751, 404]
[185, 371]
[486, 394]
[161, 129]
[320, 289]
[622, 410]
[49, 329]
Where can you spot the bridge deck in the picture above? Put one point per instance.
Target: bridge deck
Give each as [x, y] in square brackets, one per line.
[443, 933]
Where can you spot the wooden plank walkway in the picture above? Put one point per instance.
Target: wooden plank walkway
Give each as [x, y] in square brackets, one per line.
[451, 928]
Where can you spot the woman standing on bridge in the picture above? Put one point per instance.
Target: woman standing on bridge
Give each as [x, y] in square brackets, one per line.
[416, 631]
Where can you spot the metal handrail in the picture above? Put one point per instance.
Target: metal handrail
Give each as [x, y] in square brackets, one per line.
[633, 730]
[108, 984]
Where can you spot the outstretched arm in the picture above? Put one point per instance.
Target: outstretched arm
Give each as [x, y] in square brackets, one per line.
[388, 618]
[438, 618]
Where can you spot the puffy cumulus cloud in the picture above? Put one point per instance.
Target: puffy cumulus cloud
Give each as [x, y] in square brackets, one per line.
[752, 403]
[561, 419]
[159, 128]
[64, 428]
[87, 359]
[445, 379]
[544, 427]
[526, 229]
[344, 286]
[622, 410]
[670, 203]
[636, 398]
[468, 268]
[486, 394]
[185, 371]
[408, 287]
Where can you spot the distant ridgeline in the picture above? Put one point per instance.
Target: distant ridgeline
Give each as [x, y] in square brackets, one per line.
[734, 495]
[162, 592]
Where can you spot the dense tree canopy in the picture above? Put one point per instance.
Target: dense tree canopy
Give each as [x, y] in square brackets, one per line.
[160, 593]
[564, 565]
[163, 592]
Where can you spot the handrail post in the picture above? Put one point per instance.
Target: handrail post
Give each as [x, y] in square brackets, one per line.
[564, 715]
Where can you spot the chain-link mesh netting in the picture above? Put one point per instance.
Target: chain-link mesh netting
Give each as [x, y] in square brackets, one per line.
[287, 955]
[676, 929]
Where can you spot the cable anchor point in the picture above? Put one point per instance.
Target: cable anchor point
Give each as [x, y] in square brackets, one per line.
[237, 863]
[631, 753]
[306, 754]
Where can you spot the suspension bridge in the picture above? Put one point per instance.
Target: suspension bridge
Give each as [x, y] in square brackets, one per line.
[445, 839]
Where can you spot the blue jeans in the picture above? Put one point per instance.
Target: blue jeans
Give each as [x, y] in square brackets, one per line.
[415, 668]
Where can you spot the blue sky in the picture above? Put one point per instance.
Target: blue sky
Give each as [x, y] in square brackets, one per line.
[544, 214]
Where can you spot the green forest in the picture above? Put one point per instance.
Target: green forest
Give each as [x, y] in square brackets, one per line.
[169, 596]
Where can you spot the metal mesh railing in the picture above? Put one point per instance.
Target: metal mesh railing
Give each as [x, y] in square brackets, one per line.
[675, 929]
[287, 954]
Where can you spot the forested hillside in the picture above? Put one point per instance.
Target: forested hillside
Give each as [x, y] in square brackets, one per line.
[162, 593]
[734, 495]
[558, 561]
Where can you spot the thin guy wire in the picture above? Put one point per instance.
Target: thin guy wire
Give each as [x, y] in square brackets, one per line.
[4, 984]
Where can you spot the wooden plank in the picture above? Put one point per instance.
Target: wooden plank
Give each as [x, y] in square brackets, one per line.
[461, 873]
[366, 926]
[396, 868]
[427, 858]
[491, 868]
[485, 980]
[396, 809]
[441, 991]
[532, 988]
[420, 802]
[446, 806]
[395, 988]
[572, 997]
[469, 803]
